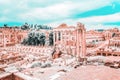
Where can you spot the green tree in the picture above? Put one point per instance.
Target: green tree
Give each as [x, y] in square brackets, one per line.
[25, 26]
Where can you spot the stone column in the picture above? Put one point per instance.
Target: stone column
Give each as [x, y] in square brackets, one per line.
[83, 43]
[61, 37]
[77, 44]
[54, 36]
[57, 36]
[74, 52]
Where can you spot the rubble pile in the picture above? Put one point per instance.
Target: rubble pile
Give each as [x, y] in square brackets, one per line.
[51, 67]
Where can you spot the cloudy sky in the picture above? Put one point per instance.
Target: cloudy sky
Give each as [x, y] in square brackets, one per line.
[93, 13]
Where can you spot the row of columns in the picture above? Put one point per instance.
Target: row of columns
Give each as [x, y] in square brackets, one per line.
[56, 35]
[80, 40]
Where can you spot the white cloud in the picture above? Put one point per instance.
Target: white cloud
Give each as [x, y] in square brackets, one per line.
[63, 10]
[95, 19]
[101, 19]
[53, 12]
[94, 22]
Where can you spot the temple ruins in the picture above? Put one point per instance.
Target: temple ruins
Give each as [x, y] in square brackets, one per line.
[75, 50]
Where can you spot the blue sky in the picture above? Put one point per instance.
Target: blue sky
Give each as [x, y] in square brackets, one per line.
[93, 13]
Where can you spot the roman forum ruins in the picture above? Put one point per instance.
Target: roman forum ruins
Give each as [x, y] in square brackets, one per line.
[72, 45]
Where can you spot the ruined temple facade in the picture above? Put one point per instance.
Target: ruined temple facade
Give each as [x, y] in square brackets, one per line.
[71, 39]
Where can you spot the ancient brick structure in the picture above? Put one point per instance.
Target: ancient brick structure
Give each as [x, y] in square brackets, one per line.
[71, 39]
